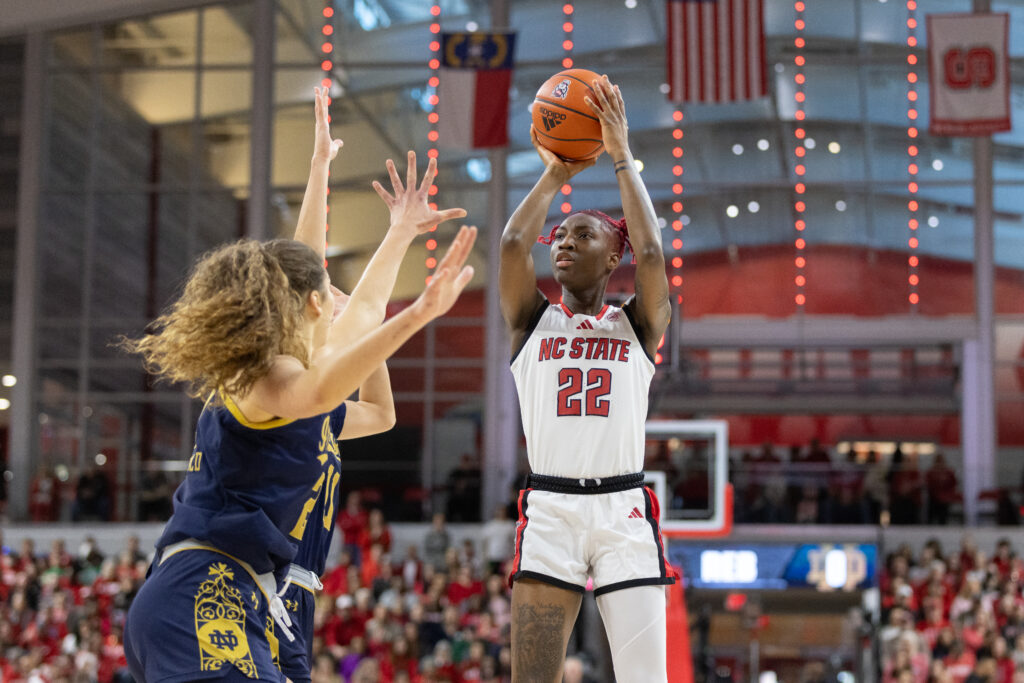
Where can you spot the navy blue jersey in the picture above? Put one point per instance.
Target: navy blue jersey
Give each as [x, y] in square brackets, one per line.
[316, 541]
[254, 490]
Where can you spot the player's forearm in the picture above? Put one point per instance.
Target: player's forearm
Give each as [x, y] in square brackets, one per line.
[341, 368]
[312, 223]
[527, 220]
[368, 303]
[644, 233]
[376, 390]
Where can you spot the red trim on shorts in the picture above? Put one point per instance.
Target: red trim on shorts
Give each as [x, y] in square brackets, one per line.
[654, 512]
[517, 559]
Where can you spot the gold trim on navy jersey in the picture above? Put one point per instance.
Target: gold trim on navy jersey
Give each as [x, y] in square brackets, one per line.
[245, 422]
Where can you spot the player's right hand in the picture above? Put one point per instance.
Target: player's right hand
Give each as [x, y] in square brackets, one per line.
[556, 164]
[324, 147]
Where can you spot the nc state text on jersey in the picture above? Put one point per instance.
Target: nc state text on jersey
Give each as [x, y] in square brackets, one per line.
[591, 348]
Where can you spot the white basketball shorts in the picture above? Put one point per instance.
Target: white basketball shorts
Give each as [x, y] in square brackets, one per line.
[570, 529]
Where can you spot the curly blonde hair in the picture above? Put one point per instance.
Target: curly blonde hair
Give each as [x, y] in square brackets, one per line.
[243, 305]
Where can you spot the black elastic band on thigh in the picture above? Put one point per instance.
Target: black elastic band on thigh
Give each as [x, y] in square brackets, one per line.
[633, 583]
[550, 580]
[622, 482]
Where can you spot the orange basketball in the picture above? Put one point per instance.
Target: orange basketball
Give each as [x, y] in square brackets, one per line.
[563, 121]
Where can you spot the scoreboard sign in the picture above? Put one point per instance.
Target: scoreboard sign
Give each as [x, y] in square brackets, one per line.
[824, 567]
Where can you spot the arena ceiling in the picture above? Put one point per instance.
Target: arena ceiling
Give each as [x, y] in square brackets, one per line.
[738, 158]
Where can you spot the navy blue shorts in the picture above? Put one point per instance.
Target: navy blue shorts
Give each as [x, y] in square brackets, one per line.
[199, 616]
[297, 655]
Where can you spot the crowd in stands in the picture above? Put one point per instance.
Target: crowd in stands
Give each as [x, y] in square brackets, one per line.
[810, 485]
[953, 617]
[435, 612]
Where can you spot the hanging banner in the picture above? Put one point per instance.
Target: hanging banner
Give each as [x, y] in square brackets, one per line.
[969, 73]
[476, 75]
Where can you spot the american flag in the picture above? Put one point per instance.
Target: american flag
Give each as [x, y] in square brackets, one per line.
[716, 50]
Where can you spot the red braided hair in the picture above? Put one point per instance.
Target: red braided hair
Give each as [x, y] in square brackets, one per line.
[617, 226]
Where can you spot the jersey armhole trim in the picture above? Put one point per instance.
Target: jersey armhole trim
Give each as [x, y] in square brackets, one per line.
[245, 422]
[636, 329]
[530, 328]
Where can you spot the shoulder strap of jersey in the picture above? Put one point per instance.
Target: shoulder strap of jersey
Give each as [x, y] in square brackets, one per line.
[530, 328]
[636, 328]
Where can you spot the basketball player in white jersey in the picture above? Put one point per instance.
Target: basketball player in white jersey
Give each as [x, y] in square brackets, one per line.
[583, 370]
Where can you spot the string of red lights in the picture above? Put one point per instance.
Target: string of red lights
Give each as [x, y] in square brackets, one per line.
[567, 45]
[913, 206]
[432, 118]
[327, 66]
[800, 150]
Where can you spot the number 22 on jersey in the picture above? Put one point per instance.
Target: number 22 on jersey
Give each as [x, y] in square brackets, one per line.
[571, 385]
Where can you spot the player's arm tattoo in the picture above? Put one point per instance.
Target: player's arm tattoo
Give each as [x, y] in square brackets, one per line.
[538, 643]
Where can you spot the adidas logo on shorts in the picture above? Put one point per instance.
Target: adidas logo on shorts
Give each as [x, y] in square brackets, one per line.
[635, 514]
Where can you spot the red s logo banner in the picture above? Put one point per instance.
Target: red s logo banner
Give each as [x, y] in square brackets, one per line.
[975, 67]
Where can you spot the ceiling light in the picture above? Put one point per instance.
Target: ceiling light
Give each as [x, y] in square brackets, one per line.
[472, 26]
[639, 165]
[4, 404]
[763, 145]
[809, 143]
[9, 380]
[663, 88]
[753, 207]
[834, 147]
[737, 149]
[937, 164]
[840, 205]
[933, 221]
[732, 211]
[101, 459]
[684, 219]
[662, 222]
[630, 4]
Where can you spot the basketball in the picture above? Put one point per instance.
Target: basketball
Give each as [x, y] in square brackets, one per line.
[563, 121]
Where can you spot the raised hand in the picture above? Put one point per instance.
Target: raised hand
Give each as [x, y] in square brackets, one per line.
[409, 205]
[553, 162]
[324, 147]
[451, 277]
[611, 111]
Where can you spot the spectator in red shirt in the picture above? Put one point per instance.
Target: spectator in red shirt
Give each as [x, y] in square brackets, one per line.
[375, 532]
[351, 521]
[335, 581]
[464, 587]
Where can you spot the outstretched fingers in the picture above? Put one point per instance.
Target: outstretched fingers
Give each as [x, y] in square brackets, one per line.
[384, 194]
[428, 177]
[448, 214]
[396, 180]
[410, 172]
[459, 250]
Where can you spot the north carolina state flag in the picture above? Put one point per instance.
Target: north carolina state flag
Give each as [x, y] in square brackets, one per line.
[475, 76]
[969, 73]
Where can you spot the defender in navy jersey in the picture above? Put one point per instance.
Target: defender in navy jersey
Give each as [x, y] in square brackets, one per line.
[583, 370]
[253, 326]
[374, 412]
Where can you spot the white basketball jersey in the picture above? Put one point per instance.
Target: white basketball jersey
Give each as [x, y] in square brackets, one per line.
[583, 383]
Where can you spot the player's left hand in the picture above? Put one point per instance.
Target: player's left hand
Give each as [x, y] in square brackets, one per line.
[611, 111]
[410, 205]
[324, 147]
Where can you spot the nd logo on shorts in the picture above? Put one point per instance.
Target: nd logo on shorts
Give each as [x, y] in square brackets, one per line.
[220, 624]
